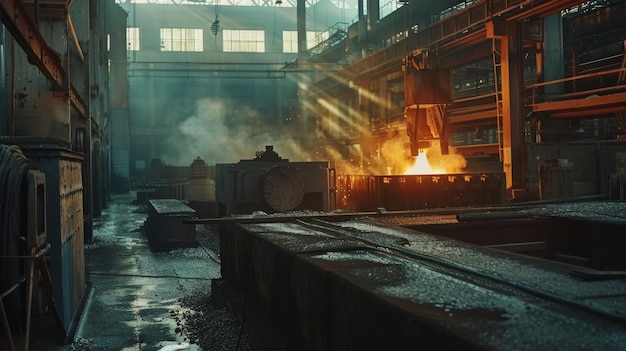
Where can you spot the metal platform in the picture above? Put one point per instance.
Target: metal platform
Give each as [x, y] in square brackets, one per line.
[361, 284]
[165, 227]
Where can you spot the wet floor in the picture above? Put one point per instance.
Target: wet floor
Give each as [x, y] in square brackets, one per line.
[134, 294]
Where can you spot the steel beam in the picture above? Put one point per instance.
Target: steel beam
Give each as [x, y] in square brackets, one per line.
[17, 19]
[460, 27]
[489, 114]
[600, 104]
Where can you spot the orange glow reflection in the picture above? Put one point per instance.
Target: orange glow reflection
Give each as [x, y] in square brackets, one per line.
[422, 166]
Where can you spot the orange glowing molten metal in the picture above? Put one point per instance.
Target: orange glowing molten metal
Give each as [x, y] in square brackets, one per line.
[422, 166]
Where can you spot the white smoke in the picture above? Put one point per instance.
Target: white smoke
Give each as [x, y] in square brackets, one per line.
[219, 132]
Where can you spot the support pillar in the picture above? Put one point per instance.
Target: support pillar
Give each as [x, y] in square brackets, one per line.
[362, 20]
[513, 122]
[373, 13]
[301, 27]
[553, 53]
[305, 114]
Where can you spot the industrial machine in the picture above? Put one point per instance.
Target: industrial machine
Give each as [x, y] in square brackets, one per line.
[41, 240]
[272, 184]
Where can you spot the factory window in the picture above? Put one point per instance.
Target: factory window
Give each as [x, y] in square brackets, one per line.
[388, 8]
[132, 36]
[290, 40]
[181, 39]
[315, 38]
[244, 40]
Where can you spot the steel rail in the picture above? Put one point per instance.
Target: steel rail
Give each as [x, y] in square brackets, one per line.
[381, 212]
[283, 218]
[460, 270]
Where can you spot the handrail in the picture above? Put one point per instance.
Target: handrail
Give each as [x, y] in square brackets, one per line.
[617, 87]
[568, 79]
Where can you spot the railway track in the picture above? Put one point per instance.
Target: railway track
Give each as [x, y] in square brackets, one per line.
[401, 247]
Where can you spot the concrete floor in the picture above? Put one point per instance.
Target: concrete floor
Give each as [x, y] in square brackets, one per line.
[134, 298]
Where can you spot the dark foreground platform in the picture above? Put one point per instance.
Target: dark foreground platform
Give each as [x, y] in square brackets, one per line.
[365, 285]
[165, 227]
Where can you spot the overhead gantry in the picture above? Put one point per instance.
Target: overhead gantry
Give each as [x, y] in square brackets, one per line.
[499, 32]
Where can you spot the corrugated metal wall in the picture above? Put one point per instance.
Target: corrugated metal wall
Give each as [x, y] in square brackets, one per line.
[64, 217]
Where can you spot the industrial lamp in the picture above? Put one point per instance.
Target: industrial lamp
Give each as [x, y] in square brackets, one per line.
[279, 2]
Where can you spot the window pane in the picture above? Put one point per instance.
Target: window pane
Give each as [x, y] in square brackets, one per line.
[132, 38]
[181, 39]
[244, 40]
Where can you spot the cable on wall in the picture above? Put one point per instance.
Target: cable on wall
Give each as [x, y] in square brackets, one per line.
[13, 168]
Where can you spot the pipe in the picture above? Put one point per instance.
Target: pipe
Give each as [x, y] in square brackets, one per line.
[70, 26]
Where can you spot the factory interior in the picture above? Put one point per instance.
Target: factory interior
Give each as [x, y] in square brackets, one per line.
[333, 174]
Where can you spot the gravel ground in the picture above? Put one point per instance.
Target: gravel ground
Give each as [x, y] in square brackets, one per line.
[204, 321]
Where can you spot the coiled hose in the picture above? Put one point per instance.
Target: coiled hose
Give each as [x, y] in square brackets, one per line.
[13, 214]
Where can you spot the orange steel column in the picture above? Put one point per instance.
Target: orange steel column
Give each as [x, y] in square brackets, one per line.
[514, 159]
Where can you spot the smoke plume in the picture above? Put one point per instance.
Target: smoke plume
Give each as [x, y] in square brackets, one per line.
[218, 132]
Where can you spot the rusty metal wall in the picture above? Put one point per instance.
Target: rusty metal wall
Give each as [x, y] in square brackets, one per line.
[71, 234]
[593, 162]
[64, 216]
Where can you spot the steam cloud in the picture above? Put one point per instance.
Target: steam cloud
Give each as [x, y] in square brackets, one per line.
[217, 134]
